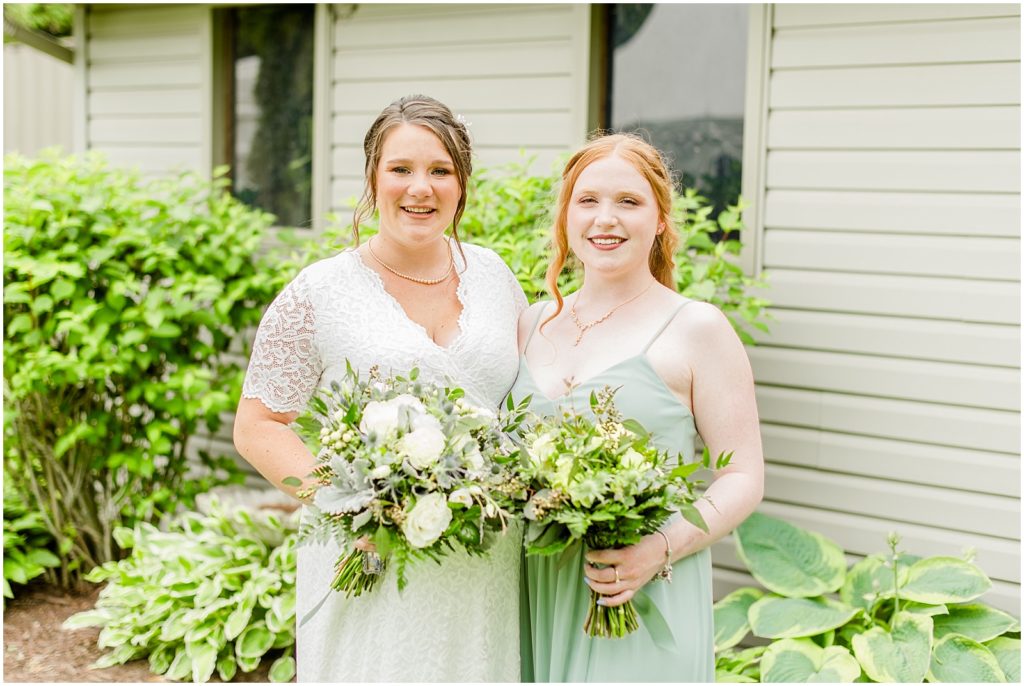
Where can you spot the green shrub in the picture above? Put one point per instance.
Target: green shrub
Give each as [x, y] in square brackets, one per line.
[214, 591]
[28, 546]
[509, 210]
[896, 618]
[121, 300]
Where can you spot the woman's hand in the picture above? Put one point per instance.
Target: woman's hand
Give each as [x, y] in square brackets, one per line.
[364, 544]
[636, 565]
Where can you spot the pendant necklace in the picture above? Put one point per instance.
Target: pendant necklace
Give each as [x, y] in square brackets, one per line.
[585, 327]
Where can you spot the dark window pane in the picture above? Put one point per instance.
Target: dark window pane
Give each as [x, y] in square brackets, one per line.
[273, 109]
[678, 72]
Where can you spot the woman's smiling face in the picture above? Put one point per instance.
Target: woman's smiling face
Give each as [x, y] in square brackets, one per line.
[612, 217]
[417, 188]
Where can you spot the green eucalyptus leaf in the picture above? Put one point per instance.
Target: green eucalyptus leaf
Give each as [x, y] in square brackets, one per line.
[731, 623]
[958, 659]
[901, 654]
[977, 621]
[788, 560]
[802, 661]
[776, 617]
[1007, 653]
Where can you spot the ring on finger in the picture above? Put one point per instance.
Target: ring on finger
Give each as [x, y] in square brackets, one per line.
[616, 570]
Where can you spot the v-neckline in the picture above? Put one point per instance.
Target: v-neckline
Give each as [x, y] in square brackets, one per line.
[525, 365]
[459, 294]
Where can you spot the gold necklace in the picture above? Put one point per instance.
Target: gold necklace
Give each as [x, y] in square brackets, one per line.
[583, 328]
[425, 282]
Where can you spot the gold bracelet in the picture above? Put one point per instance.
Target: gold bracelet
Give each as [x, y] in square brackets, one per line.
[666, 571]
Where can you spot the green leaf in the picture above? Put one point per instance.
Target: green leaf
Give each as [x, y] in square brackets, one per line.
[254, 641]
[160, 659]
[248, 664]
[958, 659]
[866, 581]
[977, 621]
[293, 481]
[802, 661]
[89, 618]
[939, 580]
[899, 655]
[282, 669]
[226, 667]
[1007, 653]
[776, 617]
[204, 659]
[788, 560]
[239, 617]
[731, 623]
[181, 666]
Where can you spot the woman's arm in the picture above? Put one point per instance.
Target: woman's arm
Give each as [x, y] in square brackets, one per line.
[725, 411]
[267, 442]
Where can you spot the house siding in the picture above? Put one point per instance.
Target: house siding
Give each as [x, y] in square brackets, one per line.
[37, 101]
[519, 74]
[147, 85]
[889, 387]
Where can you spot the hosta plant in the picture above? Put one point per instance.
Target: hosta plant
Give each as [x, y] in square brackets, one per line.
[894, 617]
[213, 592]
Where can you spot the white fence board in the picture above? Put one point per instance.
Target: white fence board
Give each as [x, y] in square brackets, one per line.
[942, 256]
[947, 85]
[973, 40]
[941, 128]
[931, 465]
[995, 388]
[922, 339]
[962, 427]
[988, 171]
[898, 296]
[965, 214]
[794, 14]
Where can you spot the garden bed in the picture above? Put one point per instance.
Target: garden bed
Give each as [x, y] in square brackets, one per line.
[36, 649]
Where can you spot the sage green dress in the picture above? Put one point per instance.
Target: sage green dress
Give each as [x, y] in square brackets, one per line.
[555, 601]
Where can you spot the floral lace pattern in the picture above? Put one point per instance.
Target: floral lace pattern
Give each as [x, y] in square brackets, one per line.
[458, 621]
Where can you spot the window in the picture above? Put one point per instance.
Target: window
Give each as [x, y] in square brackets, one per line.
[268, 108]
[678, 73]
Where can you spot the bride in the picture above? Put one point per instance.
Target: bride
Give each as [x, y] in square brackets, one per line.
[409, 297]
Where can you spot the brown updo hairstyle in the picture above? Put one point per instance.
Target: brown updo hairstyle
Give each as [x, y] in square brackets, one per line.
[421, 110]
[646, 159]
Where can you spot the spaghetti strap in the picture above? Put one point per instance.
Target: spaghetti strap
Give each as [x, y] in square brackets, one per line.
[540, 313]
[664, 326]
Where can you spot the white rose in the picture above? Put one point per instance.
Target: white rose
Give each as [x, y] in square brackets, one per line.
[422, 446]
[631, 458]
[427, 521]
[426, 420]
[380, 472]
[381, 417]
[462, 497]
[542, 448]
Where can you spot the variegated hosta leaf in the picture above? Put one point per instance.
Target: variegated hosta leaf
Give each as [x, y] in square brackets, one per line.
[958, 659]
[731, 623]
[724, 676]
[977, 621]
[789, 560]
[801, 660]
[866, 581]
[939, 580]
[775, 617]
[1007, 652]
[924, 609]
[901, 654]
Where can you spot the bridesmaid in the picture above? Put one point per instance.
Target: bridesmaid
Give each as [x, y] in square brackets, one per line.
[682, 372]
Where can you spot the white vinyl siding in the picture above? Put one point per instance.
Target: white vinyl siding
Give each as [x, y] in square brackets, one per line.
[37, 101]
[147, 84]
[519, 74]
[889, 386]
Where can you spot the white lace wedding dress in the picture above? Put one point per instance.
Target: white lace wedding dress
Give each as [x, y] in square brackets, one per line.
[458, 621]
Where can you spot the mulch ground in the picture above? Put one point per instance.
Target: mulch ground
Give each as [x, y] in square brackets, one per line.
[37, 649]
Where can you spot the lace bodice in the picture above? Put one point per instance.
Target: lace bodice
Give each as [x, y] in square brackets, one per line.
[337, 309]
[458, 621]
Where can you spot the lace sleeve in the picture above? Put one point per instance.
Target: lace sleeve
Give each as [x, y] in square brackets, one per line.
[285, 366]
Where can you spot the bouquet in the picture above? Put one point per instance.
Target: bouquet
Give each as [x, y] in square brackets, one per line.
[602, 482]
[410, 465]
